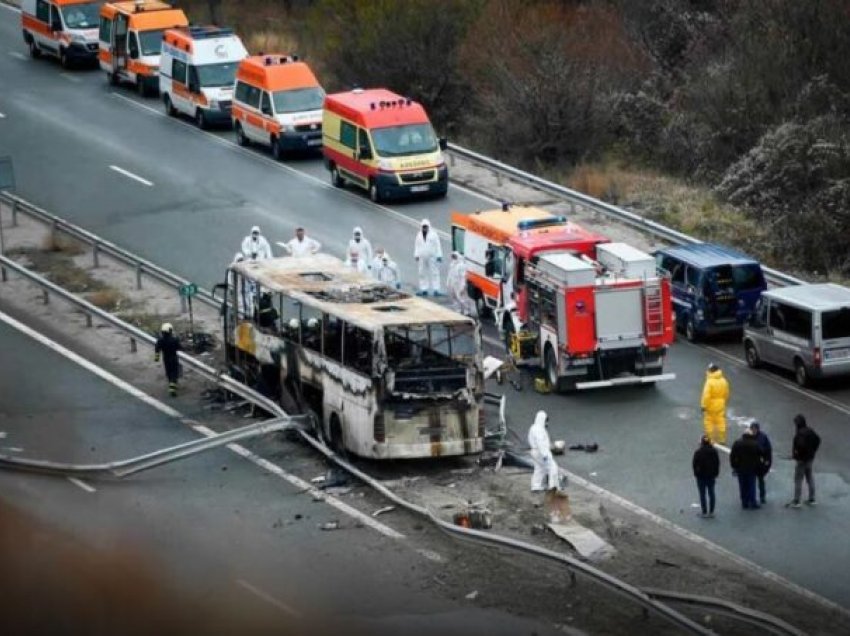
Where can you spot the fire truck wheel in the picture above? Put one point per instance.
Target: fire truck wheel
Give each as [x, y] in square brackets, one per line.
[169, 107]
[241, 139]
[34, 50]
[752, 356]
[691, 330]
[551, 368]
[801, 374]
[277, 149]
[201, 119]
[336, 178]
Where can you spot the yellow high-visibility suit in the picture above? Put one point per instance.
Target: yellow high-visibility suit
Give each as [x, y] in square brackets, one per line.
[715, 394]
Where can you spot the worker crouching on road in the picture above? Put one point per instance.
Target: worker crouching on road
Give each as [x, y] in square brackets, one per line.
[167, 346]
[715, 395]
[546, 474]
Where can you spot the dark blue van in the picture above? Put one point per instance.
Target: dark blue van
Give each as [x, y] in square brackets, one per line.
[715, 288]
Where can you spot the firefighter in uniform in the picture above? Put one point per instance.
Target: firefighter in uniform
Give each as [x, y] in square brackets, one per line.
[167, 346]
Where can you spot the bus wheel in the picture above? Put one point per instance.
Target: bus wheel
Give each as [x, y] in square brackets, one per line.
[169, 107]
[35, 52]
[374, 193]
[336, 177]
[241, 139]
[201, 119]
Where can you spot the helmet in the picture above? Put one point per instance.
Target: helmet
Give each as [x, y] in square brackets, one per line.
[293, 324]
[312, 323]
[166, 327]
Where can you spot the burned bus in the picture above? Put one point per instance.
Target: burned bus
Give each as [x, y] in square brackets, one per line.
[385, 374]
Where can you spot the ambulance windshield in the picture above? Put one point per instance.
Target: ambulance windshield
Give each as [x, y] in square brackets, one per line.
[400, 141]
[298, 100]
[211, 75]
[151, 42]
[81, 16]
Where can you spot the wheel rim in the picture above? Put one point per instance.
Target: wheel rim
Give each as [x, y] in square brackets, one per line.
[167, 101]
[373, 192]
[200, 119]
[800, 372]
[752, 359]
[690, 332]
[240, 135]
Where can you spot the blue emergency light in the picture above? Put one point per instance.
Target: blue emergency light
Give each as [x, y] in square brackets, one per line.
[534, 224]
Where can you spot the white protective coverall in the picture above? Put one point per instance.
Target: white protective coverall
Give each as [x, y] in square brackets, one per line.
[545, 475]
[356, 263]
[305, 247]
[428, 254]
[255, 245]
[361, 245]
[456, 285]
[385, 270]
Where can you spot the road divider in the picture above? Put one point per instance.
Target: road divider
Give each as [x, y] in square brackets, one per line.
[130, 175]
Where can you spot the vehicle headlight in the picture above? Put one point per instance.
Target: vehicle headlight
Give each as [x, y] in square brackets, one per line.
[385, 164]
[78, 38]
[288, 128]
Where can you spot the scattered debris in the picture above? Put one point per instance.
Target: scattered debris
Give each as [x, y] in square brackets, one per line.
[335, 478]
[667, 564]
[480, 518]
[558, 447]
[462, 471]
[461, 519]
[381, 511]
[299, 517]
[583, 540]
[588, 448]
[338, 491]
[330, 525]
[318, 480]
[472, 595]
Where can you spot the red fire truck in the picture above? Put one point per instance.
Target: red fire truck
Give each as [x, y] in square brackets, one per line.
[591, 313]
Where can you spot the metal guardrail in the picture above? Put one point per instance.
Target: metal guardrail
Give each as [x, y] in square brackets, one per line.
[137, 335]
[579, 199]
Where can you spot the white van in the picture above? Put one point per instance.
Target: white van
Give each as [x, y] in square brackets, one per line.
[66, 29]
[197, 72]
[803, 328]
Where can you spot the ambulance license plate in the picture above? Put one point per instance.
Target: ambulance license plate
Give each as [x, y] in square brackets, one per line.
[420, 188]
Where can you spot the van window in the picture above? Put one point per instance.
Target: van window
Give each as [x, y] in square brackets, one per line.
[793, 320]
[42, 11]
[400, 141]
[241, 92]
[151, 41]
[365, 145]
[692, 275]
[55, 20]
[81, 16]
[736, 277]
[221, 74]
[677, 274]
[348, 135]
[298, 100]
[178, 71]
[105, 30]
[836, 324]
[254, 94]
[133, 46]
[267, 104]
[669, 265]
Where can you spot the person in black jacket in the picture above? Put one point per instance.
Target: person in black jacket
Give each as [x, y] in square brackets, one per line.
[706, 465]
[746, 460]
[767, 457]
[167, 345]
[805, 446]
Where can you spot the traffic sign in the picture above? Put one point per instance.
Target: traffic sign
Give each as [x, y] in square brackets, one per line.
[187, 291]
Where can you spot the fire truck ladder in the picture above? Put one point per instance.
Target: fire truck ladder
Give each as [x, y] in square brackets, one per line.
[654, 310]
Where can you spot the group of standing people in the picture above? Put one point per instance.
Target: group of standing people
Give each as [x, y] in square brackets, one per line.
[751, 456]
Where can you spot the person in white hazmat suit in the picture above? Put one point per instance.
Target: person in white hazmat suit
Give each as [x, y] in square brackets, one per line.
[301, 245]
[362, 246]
[545, 475]
[255, 246]
[355, 263]
[456, 285]
[428, 254]
[386, 271]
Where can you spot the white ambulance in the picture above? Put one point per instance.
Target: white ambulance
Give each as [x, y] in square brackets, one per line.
[197, 72]
[66, 29]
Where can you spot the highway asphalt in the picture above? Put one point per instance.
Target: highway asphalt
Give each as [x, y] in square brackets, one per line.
[214, 528]
[65, 132]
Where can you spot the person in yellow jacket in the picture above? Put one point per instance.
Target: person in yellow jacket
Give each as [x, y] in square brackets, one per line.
[715, 394]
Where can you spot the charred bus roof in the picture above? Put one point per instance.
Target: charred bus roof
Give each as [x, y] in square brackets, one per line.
[324, 282]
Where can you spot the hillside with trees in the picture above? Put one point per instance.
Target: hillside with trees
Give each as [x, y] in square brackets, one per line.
[747, 99]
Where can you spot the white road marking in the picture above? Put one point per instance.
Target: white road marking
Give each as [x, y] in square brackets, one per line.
[365, 519]
[306, 487]
[130, 175]
[13, 449]
[3, 434]
[268, 598]
[82, 484]
[722, 448]
[2, 116]
[18, 55]
[70, 78]
[833, 404]
[280, 166]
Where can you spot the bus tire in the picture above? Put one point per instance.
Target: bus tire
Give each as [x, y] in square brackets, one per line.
[336, 177]
[169, 107]
[241, 138]
[35, 52]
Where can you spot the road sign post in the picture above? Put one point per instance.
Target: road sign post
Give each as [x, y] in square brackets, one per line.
[187, 291]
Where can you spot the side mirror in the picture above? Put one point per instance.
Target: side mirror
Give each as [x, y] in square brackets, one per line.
[444, 143]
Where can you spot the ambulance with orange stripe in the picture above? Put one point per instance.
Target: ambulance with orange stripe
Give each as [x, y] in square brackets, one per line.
[383, 143]
[131, 41]
[65, 29]
[197, 71]
[278, 103]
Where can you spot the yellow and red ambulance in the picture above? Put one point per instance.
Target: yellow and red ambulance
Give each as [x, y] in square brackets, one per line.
[130, 37]
[197, 70]
[66, 29]
[277, 102]
[383, 143]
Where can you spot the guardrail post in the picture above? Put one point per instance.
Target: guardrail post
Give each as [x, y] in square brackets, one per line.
[138, 275]
[133, 347]
[95, 251]
[45, 296]
[14, 214]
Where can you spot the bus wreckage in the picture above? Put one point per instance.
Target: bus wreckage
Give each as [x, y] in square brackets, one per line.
[383, 373]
